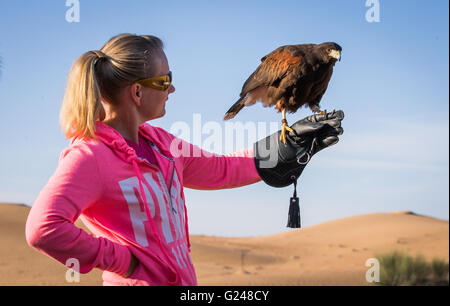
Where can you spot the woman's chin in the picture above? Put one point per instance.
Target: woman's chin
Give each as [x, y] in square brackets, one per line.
[163, 112]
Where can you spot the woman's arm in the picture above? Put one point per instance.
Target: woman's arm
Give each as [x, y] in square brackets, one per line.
[75, 185]
[208, 171]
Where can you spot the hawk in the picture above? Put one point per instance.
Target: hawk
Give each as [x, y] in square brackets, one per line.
[289, 77]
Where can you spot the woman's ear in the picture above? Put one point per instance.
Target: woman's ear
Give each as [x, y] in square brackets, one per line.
[136, 93]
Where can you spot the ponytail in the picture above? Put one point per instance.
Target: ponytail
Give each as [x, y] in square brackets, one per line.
[82, 106]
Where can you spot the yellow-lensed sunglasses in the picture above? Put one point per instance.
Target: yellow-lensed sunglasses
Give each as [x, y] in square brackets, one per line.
[162, 82]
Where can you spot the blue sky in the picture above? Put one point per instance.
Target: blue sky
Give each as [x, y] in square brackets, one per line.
[392, 84]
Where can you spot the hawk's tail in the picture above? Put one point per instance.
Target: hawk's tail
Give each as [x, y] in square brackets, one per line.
[234, 109]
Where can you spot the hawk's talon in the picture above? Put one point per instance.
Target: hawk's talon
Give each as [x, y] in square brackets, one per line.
[284, 128]
[283, 136]
[320, 112]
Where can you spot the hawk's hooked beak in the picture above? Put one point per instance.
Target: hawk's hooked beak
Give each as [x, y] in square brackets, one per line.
[335, 54]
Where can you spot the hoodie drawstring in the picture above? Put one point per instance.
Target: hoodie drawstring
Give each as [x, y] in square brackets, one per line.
[147, 211]
[186, 228]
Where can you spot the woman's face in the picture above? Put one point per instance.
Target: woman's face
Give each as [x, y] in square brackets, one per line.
[153, 100]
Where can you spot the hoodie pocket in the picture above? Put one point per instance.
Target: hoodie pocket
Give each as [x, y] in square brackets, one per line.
[158, 276]
[137, 277]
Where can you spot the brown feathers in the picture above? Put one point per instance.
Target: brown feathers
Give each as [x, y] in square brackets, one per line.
[290, 77]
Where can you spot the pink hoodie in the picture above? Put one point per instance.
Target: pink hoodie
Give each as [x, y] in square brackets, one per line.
[130, 205]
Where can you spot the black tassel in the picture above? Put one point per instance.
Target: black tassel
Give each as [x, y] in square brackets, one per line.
[294, 209]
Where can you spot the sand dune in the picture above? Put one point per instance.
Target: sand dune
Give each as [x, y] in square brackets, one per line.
[331, 253]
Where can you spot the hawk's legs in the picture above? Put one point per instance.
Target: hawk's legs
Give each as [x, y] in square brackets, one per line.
[284, 127]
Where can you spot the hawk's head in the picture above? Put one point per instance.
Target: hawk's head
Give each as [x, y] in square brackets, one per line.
[329, 52]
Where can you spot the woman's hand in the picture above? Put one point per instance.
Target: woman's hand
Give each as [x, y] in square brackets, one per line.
[133, 264]
[279, 164]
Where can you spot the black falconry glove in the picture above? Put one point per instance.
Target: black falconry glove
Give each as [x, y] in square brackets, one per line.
[280, 165]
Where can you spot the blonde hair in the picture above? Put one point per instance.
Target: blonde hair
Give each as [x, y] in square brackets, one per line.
[125, 58]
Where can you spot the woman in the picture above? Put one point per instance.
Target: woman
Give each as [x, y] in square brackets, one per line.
[119, 174]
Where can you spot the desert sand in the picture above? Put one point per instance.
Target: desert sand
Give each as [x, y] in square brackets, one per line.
[331, 253]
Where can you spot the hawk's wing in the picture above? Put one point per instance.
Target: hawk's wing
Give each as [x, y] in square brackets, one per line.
[279, 64]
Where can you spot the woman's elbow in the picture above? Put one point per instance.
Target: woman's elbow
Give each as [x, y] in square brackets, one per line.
[32, 235]
[38, 232]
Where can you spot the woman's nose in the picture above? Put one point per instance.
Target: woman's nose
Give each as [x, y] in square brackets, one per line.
[171, 89]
